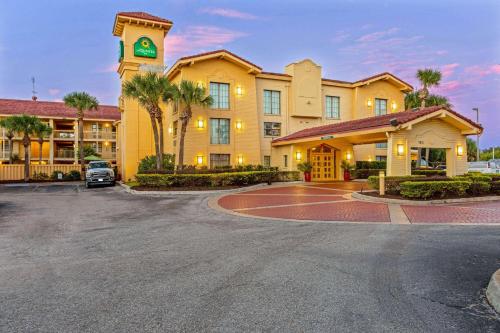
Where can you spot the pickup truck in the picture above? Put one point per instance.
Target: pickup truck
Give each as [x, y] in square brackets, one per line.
[99, 172]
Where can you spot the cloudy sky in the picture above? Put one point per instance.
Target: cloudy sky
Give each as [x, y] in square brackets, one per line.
[68, 45]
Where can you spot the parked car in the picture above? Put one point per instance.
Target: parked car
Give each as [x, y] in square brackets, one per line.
[99, 172]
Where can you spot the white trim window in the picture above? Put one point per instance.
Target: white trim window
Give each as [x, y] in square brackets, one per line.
[332, 107]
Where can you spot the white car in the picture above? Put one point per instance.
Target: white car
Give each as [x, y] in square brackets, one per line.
[99, 172]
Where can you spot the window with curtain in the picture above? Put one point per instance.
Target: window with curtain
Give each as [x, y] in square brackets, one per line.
[220, 94]
[219, 160]
[380, 106]
[272, 102]
[272, 129]
[332, 106]
[219, 131]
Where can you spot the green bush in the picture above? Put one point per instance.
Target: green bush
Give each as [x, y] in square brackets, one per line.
[54, 174]
[479, 188]
[429, 172]
[392, 183]
[365, 173]
[148, 163]
[495, 186]
[40, 176]
[207, 180]
[432, 189]
[286, 176]
[474, 178]
[371, 165]
[72, 175]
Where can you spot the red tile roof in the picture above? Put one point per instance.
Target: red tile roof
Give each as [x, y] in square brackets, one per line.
[144, 16]
[370, 123]
[218, 51]
[54, 109]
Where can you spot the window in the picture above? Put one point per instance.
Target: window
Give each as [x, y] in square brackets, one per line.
[97, 146]
[332, 107]
[267, 160]
[381, 145]
[174, 128]
[285, 161]
[96, 127]
[380, 106]
[220, 94]
[219, 160]
[219, 131]
[113, 147]
[272, 129]
[272, 103]
[381, 158]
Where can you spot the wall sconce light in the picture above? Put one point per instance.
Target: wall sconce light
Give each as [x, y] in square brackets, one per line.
[369, 159]
[369, 103]
[106, 125]
[239, 125]
[199, 159]
[200, 123]
[394, 106]
[240, 159]
[348, 156]
[460, 150]
[106, 143]
[298, 156]
[239, 91]
[170, 130]
[401, 149]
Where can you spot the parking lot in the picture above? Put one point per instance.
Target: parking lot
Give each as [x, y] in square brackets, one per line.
[102, 260]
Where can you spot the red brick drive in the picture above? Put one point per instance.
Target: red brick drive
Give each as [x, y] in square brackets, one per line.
[241, 201]
[484, 212]
[297, 190]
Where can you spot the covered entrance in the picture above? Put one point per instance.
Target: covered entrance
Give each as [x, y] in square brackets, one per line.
[323, 162]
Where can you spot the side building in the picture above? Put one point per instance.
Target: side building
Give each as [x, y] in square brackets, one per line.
[60, 147]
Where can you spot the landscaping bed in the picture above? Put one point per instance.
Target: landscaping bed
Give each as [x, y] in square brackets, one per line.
[185, 188]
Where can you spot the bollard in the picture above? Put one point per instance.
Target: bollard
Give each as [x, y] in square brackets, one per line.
[381, 183]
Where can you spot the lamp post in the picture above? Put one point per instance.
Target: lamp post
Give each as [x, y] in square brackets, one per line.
[477, 137]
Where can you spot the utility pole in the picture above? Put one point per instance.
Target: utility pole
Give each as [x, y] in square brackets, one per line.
[477, 137]
[33, 96]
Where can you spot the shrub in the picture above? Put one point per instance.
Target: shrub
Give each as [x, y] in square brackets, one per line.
[426, 190]
[286, 176]
[478, 188]
[371, 165]
[392, 183]
[495, 186]
[474, 178]
[365, 173]
[429, 172]
[72, 175]
[148, 163]
[55, 173]
[40, 176]
[305, 167]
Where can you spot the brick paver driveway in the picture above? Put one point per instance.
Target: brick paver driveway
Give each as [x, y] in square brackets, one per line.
[332, 202]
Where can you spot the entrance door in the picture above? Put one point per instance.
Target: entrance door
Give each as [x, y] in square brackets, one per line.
[323, 163]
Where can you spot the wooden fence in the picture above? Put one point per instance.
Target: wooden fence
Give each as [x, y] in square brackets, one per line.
[16, 171]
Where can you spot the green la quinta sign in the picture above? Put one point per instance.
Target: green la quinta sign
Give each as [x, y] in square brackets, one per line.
[144, 47]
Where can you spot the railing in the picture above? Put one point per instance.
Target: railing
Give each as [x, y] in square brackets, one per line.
[16, 171]
[64, 153]
[108, 155]
[4, 154]
[61, 134]
[99, 135]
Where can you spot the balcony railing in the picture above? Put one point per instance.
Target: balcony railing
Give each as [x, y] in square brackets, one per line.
[64, 153]
[108, 155]
[62, 134]
[100, 135]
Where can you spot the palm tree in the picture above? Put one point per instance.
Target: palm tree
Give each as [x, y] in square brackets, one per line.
[41, 131]
[189, 94]
[149, 90]
[9, 134]
[81, 101]
[428, 78]
[26, 126]
[433, 99]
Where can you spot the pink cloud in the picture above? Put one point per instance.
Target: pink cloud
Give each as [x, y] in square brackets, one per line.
[340, 36]
[226, 12]
[481, 71]
[449, 69]
[198, 39]
[374, 36]
[450, 87]
[54, 91]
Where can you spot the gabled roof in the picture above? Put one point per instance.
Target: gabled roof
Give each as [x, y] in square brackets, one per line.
[388, 120]
[406, 87]
[139, 18]
[225, 54]
[54, 110]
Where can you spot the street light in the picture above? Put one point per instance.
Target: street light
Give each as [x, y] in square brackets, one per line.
[477, 137]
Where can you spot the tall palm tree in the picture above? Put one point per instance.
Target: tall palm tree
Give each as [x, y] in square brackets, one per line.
[412, 100]
[149, 90]
[6, 123]
[81, 101]
[41, 131]
[428, 78]
[26, 126]
[189, 94]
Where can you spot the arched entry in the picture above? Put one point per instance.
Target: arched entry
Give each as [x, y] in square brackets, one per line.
[323, 162]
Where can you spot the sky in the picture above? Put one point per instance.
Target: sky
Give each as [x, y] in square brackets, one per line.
[67, 45]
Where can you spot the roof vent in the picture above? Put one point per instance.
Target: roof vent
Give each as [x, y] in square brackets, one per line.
[394, 122]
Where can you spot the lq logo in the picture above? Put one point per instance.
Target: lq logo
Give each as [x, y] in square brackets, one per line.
[144, 47]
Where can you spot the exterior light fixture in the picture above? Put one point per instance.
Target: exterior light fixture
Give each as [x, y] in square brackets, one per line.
[460, 150]
[170, 130]
[369, 103]
[240, 159]
[298, 156]
[239, 125]
[369, 159]
[106, 125]
[199, 159]
[239, 91]
[394, 106]
[401, 149]
[200, 123]
[348, 156]
[106, 143]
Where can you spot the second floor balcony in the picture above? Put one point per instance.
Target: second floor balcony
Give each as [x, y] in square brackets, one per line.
[64, 134]
[96, 135]
[64, 153]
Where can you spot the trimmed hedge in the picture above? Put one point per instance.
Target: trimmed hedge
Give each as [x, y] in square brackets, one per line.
[371, 165]
[392, 183]
[495, 186]
[432, 189]
[429, 172]
[214, 180]
[365, 173]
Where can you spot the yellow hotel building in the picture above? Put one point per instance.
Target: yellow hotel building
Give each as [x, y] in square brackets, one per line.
[280, 119]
